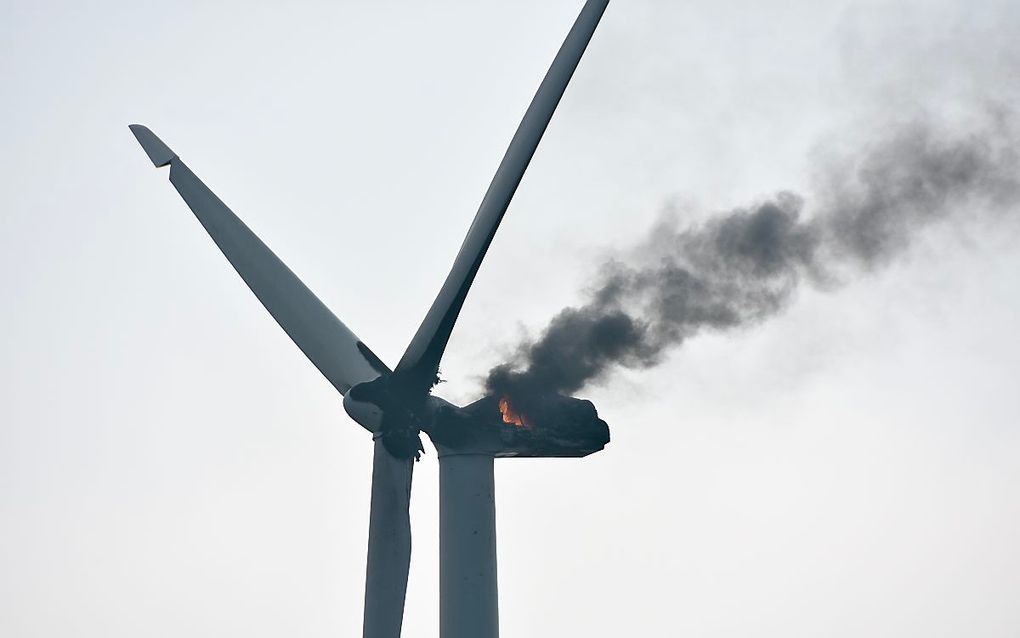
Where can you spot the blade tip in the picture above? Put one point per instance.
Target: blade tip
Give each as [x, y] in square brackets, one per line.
[158, 152]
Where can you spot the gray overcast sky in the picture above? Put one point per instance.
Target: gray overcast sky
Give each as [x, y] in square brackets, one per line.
[170, 464]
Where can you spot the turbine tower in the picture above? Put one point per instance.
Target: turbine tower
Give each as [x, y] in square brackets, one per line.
[396, 405]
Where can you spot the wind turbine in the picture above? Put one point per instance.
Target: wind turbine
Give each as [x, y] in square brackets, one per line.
[396, 405]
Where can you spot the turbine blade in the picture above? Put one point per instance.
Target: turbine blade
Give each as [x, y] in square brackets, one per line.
[335, 350]
[421, 359]
[389, 544]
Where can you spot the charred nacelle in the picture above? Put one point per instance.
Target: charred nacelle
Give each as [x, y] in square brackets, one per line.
[551, 426]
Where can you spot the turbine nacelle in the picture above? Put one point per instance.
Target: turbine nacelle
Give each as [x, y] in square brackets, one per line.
[551, 426]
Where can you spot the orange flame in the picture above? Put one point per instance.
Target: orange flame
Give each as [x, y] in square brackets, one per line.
[509, 416]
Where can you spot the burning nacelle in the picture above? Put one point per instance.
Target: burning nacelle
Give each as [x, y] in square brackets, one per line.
[547, 426]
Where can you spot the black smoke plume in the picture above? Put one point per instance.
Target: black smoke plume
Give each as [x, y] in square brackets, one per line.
[744, 266]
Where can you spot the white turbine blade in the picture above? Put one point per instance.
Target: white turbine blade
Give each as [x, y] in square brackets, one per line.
[326, 341]
[389, 544]
[421, 359]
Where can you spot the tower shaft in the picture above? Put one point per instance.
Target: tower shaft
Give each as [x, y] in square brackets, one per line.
[468, 599]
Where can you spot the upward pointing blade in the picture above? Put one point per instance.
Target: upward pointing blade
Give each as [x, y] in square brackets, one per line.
[421, 359]
[341, 357]
[389, 544]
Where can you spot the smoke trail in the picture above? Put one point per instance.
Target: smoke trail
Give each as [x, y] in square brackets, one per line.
[744, 266]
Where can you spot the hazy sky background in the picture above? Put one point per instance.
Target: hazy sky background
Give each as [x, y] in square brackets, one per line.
[171, 465]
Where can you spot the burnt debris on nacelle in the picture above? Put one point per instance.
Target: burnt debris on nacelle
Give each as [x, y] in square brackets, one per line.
[549, 426]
